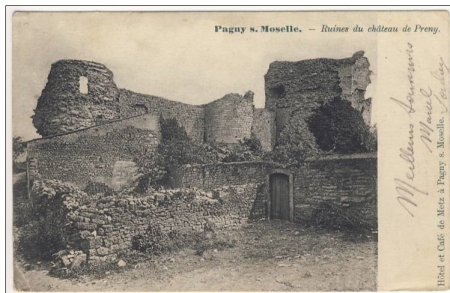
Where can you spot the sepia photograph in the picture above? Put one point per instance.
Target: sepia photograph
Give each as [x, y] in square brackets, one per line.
[195, 151]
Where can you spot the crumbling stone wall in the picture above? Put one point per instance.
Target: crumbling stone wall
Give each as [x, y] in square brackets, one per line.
[68, 104]
[221, 196]
[99, 154]
[229, 119]
[191, 117]
[107, 225]
[53, 202]
[65, 106]
[81, 94]
[303, 86]
[209, 176]
[349, 180]
[263, 128]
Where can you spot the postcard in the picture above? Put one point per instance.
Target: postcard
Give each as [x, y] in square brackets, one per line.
[230, 151]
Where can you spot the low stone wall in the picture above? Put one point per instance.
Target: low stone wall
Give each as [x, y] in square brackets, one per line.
[217, 195]
[210, 176]
[349, 180]
[103, 226]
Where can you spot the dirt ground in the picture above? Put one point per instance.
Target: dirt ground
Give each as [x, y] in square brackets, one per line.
[268, 256]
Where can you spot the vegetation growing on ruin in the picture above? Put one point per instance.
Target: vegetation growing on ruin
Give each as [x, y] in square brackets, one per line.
[18, 152]
[340, 128]
[294, 144]
[18, 148]
[175, 149]
[336, 127]
[247, 149]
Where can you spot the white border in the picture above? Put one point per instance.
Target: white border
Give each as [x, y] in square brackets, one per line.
[6, 109]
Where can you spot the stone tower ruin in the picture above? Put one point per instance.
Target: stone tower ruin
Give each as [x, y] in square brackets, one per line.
[81, 94]
[78, 94]
[294, 90]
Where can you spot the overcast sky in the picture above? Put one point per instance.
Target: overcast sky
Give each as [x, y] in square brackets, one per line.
[178, 56]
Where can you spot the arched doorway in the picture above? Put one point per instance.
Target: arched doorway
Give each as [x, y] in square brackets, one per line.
[280, 196]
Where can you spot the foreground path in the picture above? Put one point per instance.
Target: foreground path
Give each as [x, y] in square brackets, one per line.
[267, 257]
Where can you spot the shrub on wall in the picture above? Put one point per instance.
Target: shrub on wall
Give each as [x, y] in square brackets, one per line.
[340, 128]
[294, 143]
[151, 169]
[247, 149]
[175, 149]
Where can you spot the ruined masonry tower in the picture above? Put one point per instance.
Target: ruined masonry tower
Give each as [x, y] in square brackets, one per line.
[81, 94]
[294, 90]
[78, 94]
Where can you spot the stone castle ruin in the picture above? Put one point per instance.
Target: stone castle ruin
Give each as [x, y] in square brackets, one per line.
[92, 131]
[82, 94]
[64, 107]
[301, 87]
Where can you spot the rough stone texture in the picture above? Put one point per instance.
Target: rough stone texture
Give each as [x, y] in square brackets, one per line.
[209, 176]
[87, 149]
[229, 119]
[349, 180]
[291, 87]
[305, 85]
[62, 107]
[223, 195]
[263, 128]
[53, 202]
[106, 225]
[94, 154]
[189, 116]
[70, 259]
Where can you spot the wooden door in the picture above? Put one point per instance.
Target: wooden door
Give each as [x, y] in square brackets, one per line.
[279, 197]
